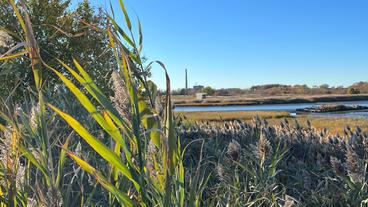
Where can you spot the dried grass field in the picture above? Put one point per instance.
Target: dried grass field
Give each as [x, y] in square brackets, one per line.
[334, 125]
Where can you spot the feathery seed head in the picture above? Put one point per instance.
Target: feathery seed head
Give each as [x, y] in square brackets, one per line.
[233, 149]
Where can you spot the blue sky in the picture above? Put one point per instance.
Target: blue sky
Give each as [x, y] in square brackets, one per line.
[240, 43]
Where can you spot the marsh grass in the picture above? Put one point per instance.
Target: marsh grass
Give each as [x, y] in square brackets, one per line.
[331, 124]
[258, 164]
[218, 116]
[74, 146]
[334, 125]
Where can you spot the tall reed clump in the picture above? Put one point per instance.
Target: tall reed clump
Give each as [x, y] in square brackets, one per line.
[143, 152]
[240, 165]
[74, 146]
[257, 164]
[13, 189]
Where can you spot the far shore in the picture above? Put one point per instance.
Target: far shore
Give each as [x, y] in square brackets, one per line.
[260, 100]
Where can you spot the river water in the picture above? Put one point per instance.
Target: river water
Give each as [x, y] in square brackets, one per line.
[282, 107]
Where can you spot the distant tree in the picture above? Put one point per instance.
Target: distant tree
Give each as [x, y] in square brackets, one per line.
[353, 91]
[299, 89]
[324, 86]
[222, 92]
[324, 89]
[182, 91]
[361, 86]
[279, 89]
[61, 32]
[210, 91]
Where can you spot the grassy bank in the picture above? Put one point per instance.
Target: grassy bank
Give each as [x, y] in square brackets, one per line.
[218, 116]
[256, 99]
[332, 124]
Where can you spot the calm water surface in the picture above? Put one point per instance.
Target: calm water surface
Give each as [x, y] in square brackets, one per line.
[282, 107]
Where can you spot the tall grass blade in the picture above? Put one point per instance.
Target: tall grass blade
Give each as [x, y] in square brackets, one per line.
[123, 198]
[127, 20]
[97, 145]
[12, 56]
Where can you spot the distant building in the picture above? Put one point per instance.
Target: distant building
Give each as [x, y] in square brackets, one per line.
[201, 96]
[198, 87]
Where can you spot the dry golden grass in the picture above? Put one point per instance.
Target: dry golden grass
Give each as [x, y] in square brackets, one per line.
[332, 124]
[231, 115]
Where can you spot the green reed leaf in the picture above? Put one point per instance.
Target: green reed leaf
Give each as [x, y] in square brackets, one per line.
[123, 198]
[97, 145]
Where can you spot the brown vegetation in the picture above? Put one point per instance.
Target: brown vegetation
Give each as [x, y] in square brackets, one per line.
[219, 116]
[333, 125]
[257, 99]
[279, 89]
[256, 164]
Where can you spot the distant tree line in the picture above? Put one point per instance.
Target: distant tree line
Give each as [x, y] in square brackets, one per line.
[280, 89]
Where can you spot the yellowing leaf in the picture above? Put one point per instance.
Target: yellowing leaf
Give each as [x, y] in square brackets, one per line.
[123, 198]
[12, 56]
[97, 145]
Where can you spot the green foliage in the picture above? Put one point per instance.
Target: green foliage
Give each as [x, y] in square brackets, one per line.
[143, 152]
[61, 32]
[353, 91]
[361, 86]
[210, 91]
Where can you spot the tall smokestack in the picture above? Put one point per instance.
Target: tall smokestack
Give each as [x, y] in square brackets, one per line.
[186, 82]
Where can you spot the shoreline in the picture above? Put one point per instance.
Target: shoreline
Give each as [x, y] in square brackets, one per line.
[236, 101]
[335, 125]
